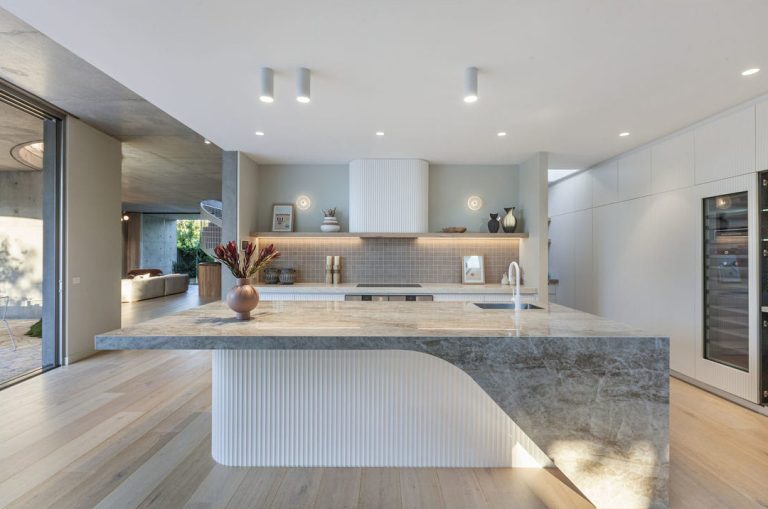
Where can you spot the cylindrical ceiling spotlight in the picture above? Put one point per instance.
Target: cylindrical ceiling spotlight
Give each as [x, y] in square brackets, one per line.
[470, 85]
[302, 85]
[267, 85]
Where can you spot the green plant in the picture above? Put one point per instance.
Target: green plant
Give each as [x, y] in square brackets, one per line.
[188, 252]
[36, 331]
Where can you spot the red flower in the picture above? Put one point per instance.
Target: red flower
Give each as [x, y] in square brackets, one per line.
[244, 266]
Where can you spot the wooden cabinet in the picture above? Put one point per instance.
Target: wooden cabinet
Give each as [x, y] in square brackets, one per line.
[209, 279]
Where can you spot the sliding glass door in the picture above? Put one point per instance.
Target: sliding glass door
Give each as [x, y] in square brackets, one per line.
[30, 173]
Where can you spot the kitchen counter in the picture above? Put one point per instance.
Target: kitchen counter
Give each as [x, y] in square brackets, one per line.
[425, 289]
[588, 393]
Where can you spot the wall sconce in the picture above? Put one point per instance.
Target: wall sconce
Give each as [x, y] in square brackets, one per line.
[474, 203]
[303, 202]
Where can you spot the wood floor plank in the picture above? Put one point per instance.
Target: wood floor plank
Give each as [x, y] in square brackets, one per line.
[258, 488]
[73, 489]
[26, 480]
[132, 492]
[298, 489]
[504, 488]
[179, 485]
[339, 489]
[217, 489]
[419, 487]
[460, 489]
[380, 487]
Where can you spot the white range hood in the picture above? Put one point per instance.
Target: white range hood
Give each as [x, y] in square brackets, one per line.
[389, 195]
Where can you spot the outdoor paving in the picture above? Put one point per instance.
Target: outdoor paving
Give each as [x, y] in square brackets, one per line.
[26, 357]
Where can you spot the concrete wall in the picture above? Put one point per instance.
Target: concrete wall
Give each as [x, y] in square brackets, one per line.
[21, 242]
[158, 242]
[92, 260]
[250, 176]
[451, 185]
[326, 185]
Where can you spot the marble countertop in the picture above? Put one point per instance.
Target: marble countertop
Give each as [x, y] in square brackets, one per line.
[425, 289]
[213, 326]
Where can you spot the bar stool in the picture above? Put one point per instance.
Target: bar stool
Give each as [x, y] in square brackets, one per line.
[7, 300]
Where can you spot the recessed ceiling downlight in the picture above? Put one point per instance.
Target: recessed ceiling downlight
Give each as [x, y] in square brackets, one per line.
[624, 134]
[501, 134]
[750, 72]
[379, 133]
[259, 133]
[30, 154]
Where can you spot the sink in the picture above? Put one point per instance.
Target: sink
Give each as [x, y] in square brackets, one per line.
[504, 305]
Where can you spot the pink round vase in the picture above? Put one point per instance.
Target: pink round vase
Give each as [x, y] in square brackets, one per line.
[242, 299]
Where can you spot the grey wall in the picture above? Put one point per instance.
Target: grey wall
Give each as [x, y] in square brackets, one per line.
[230, 209]
[249, 175]
[326, 185]
[158, 241]
[21, 242]
[532, 218]
[21, 194]
[92, 261]
[451, 185]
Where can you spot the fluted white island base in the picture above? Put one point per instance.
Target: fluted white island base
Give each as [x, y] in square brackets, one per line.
[357, 408]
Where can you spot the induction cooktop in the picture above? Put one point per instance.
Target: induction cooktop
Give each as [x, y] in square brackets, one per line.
[388, 285]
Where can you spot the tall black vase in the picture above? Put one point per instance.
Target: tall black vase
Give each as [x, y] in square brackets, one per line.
[493, 223]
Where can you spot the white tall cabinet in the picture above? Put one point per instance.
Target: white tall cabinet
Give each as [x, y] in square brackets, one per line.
[639, 240]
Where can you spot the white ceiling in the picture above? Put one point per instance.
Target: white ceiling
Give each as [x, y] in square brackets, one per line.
[559, 76]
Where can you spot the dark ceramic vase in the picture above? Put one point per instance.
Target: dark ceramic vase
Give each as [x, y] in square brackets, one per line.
[493, 223]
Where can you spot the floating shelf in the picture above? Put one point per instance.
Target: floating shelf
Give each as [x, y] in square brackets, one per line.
[319, 235]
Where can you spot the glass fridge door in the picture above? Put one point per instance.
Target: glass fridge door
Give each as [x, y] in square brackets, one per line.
[726, 282]
[764, 286]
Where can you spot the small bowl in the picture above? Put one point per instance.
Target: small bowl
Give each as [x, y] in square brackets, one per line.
[455, 229]
[287, 276]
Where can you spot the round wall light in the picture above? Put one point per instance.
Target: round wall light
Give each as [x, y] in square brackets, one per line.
[474, 203]
[303, 202]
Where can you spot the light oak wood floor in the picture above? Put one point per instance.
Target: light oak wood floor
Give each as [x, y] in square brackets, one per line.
[132, 429]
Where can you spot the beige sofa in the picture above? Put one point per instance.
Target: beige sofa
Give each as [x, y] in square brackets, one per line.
[140, 288]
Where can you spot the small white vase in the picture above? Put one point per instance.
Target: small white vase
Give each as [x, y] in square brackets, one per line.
[330, 224]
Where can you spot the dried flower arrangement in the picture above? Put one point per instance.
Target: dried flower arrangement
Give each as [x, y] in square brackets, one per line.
[331, 212]
[245, 266]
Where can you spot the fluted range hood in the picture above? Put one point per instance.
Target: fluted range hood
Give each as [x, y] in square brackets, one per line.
[389, 195]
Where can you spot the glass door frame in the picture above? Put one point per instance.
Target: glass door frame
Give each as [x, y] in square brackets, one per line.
[53, 221]
[742, 384]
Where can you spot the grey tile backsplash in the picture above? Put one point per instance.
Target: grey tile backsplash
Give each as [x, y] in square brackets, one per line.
[393, 260]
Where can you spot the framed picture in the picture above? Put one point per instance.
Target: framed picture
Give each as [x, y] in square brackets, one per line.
[473, 270]
[282, 218]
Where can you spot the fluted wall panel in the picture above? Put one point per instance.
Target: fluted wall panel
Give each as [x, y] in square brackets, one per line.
[357, 408]
[388, 195]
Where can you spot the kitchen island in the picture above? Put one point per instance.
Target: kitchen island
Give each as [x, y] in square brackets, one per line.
[425, 384]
